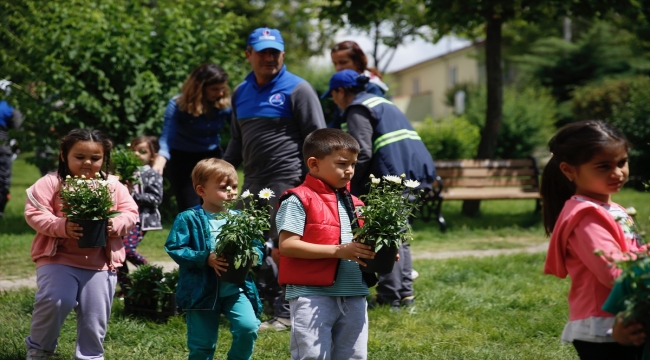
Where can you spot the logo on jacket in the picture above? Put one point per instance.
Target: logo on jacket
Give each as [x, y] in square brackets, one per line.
[277, 99]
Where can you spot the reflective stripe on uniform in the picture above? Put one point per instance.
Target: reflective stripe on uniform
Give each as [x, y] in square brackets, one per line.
[372, 102]
[394, 136]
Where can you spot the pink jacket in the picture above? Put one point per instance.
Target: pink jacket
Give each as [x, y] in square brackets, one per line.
[52, 245]
[582, 228]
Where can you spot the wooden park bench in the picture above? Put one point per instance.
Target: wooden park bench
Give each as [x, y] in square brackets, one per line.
[481, 180]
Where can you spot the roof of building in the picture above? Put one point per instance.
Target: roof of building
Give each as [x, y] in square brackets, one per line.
[435, 58]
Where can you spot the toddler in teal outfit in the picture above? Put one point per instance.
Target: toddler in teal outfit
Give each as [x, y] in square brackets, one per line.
[200, 291]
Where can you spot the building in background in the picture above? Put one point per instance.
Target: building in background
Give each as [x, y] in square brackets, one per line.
[420, 90]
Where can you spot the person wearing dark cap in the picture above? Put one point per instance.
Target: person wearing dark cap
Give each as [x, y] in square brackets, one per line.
[10, 118]
[273, 111]
[389, 146]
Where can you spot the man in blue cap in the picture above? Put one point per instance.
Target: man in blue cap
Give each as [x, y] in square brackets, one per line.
[273, 111]
[389, 146]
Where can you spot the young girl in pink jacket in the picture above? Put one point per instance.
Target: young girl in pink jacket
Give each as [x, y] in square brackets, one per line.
[588, 165]
[68, 277]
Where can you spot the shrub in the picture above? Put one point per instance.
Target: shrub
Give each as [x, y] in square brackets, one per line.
[111, 65]
[597, 100]
[151, 282]
[623, 103]
[451, 138]
[528, 119]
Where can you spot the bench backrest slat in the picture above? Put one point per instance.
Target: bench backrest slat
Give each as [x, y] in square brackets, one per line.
[447, 173]
[468, 163]
[468, 173]
[487, 182]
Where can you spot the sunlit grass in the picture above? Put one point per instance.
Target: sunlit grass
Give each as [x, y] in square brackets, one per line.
[491, 308]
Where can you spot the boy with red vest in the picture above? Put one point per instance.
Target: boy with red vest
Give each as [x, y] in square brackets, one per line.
[319, 263]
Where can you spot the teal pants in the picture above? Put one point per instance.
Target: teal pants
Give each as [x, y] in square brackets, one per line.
[203, 328]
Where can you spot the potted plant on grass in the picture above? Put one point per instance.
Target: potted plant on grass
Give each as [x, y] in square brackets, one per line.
[385, 220]
[88, 203]
[151, 292]
[241, 234]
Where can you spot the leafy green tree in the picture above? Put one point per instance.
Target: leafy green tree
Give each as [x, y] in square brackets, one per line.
[109, 64]
[602, 51]
[485, 17]
[466, 15]
[636, 19]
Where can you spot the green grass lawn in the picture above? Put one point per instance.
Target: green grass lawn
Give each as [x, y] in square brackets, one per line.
[490, 308]
[468, 308]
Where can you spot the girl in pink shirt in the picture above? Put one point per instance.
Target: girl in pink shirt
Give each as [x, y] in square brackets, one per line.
[69, 277]
[588, 165]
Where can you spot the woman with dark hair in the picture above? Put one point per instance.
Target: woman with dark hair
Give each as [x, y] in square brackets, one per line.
[192, 129]
[348, 55]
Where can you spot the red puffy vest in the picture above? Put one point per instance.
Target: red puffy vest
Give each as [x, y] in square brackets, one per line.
[322, 226]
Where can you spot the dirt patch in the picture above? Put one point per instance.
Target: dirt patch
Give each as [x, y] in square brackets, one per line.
[15, 284]
[479, 253]
[30, 282]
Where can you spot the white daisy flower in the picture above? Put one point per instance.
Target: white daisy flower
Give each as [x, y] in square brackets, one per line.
[251, 218]
[411, 183]
[98, 175]
[245, 194]
[83, 176]
[228, 188]
[375, 180]
[372, 176]
[403, 176]
[630, 211]
[266, 193]
[68, 177]
[393, 178]
[79, 182]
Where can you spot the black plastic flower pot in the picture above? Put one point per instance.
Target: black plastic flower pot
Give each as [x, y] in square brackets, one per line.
[94, 233]
[235, 276]
[383, 262]
[149, 309]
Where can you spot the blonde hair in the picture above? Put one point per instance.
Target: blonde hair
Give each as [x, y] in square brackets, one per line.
[208, 168]
[191, 98]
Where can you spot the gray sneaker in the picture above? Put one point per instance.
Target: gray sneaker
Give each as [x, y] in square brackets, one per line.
[276, 323]
[35, 354]
[408, 301]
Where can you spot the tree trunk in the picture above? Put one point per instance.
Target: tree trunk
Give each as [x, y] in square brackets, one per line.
[375, 50]
[487, 146]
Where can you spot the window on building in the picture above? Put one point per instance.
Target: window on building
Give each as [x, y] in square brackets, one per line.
[416, 86]
[452, 77]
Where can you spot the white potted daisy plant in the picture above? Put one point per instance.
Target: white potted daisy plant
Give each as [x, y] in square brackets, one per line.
[242, 233]
[385, 219]
[88, 203]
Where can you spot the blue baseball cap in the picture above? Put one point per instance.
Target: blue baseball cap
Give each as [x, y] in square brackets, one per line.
[265, 38]
[343, 78]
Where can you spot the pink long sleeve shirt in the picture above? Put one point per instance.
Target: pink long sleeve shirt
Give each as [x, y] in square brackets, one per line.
[584, 226]
[52, 245]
